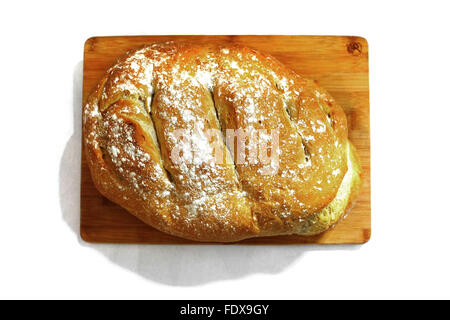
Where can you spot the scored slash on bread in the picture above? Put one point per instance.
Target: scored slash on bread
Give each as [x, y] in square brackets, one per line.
[129, 135]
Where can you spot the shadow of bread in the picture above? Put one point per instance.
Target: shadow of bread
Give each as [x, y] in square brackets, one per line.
[176, 265]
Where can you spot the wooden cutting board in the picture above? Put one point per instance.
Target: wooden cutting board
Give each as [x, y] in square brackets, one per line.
[339, 64]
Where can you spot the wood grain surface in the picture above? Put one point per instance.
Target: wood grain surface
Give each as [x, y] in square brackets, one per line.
[338, 63]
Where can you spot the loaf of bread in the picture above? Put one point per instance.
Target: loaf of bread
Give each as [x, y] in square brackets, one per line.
[219, 143]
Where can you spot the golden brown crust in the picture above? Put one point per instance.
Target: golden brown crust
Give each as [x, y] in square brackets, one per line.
[131, 125]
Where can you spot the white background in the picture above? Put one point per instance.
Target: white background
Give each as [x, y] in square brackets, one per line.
[41, 254]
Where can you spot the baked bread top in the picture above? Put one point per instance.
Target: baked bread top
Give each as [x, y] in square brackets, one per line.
[159, 130]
